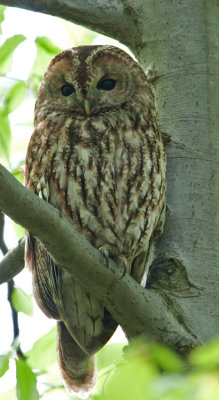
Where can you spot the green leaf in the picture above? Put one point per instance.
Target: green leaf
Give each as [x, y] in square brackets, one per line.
[47, 45]
[166, 359]
[130, 380]
[206, 356]
[155, 354]
[22, 301]
[4, 363]
[43, 352]
[5, 137]
[46, 50]
[14, 97]
[18, 173]
[175, 387]
[26, 382]
[19, 231]
[2, 17]
[6, 52]
[109, 354]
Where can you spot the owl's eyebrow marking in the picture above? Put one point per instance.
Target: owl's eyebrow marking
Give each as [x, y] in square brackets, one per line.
[81, 78]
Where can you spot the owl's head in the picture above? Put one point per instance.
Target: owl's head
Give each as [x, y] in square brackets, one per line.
[92, 80]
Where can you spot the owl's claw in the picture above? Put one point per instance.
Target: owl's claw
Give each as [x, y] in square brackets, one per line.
[105, 253]
[120, 261]
[123, 264]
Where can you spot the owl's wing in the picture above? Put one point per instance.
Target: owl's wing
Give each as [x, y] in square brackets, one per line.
[140, 265]
[142, 262]
[84, 324]
[89, 323]
[37, 260]
[78, 370]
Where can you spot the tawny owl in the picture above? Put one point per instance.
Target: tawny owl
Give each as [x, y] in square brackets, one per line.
[96, 154]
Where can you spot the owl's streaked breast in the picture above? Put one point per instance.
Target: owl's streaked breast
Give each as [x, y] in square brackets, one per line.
[106, 174]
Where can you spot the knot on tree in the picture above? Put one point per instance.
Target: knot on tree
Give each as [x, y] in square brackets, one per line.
[169, 275]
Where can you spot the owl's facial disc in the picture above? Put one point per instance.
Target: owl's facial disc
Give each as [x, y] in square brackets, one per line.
[93, 86]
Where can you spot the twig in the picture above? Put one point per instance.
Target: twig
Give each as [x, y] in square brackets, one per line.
[10, 284]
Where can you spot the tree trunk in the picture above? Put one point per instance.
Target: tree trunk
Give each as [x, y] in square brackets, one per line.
[180, 41]
[177, 44]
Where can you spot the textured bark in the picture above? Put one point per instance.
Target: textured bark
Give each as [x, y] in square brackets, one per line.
[111, 17]
[177, 42]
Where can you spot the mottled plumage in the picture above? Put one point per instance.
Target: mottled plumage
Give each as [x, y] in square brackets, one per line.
[96, 154]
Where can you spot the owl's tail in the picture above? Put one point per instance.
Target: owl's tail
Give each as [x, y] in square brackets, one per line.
[78, 369]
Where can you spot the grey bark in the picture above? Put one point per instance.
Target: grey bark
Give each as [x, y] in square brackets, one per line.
[177, 43]
[12, 263]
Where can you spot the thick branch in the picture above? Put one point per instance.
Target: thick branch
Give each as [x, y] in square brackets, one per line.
[129, 303]
[115, 18]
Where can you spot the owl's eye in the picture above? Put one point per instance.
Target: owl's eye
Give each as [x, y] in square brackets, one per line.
[67, 89]
[106, 84]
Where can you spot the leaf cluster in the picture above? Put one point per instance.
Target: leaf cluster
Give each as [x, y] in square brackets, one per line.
[140, 370]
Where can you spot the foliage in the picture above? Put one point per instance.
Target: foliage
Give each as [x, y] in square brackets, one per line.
[4, 363]
[139, 371]
[22, 302]
[26, 382]
[46, 50]
[151, 371]
[6, 52]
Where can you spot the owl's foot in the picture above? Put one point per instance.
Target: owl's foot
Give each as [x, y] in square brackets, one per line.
[120, 261]
[106, 255]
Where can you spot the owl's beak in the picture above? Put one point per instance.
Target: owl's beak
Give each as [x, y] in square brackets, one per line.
[87, 106]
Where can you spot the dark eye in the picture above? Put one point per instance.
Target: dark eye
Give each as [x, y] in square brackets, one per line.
[106, 84]
[67, 89]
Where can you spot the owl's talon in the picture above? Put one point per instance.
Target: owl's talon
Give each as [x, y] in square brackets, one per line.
[124, 271]
[122, 263]
[105, 253]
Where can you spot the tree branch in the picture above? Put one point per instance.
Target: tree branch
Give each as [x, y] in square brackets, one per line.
[115, 18]
[10, 284]
[12, 263]
[3, 246]
[137, 310]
